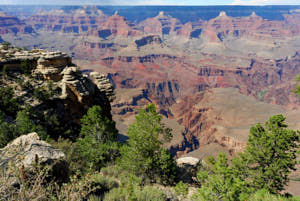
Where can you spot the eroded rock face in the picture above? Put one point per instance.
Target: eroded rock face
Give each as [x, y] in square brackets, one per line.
[70, 93]
[74, 81]
[161, 24]
[103, 84]
[11, 24]
[151, 39]
[78, 21]
[51, 64]
[28, 150]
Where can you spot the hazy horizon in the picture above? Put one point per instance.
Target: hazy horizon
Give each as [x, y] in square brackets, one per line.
[152, 2]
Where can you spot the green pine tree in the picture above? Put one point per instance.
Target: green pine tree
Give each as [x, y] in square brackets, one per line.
[144, 155]
[96, 125]
[270, 155]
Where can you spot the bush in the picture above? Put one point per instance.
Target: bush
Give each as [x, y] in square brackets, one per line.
[264, 195]
[95, 155]
[7, 133]
[95, 124]
[26, 67]
[147, 193]
[269, 158]
[8, 104]
[181, 189]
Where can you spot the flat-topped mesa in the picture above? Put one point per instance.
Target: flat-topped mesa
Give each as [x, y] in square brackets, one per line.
[104, 85]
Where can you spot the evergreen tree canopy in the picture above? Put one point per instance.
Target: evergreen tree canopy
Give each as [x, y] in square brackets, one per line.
[271, 154]
[144, 154]
[96, 125]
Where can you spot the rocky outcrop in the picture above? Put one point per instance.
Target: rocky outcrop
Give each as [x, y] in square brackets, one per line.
[117, 25]
[64, 91]
[77, 83]
[103, 84]
[187, 161]
[28, 151]
[161, 24]
[187, 167]
[51, 64]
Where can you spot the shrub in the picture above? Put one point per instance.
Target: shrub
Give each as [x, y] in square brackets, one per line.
[98, 126]
[95, 155]
[181, 189]
[7, 133]
[264, 195]
[147, 193]
[8, 104]
[26, 67]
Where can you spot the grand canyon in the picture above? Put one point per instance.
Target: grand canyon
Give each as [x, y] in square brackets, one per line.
[211, 79]
[212, 73]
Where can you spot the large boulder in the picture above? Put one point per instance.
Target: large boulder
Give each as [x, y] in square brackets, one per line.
[26, 151]
[188, 168]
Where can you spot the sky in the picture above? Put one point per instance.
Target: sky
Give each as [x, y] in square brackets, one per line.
[151, 2]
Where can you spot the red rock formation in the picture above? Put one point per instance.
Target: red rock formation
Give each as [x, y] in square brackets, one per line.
[161, 24]
[10, 24]
[77, 21]
[117, 25]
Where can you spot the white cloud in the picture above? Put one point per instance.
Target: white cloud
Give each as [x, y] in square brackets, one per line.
[266, 2]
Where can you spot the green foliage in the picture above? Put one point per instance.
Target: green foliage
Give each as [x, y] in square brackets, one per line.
[219, 181]
[144, 156]
[181, 189]
[264, 195]
[24, 124]
[8, 104]
[7, 133]
[135, 193]
[297, 89]
[26, 67]
[95, 155]
[41, 94]
[261, 95]
[6, 45]
[104, 183]
[98, 145]
[269, 158]
[98, 126]
[4, 71]
[270, 155]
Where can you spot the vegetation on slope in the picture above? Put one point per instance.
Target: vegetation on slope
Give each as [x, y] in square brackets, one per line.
[101, 168]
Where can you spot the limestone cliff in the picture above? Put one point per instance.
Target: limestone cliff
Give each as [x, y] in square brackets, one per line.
[53, 86]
